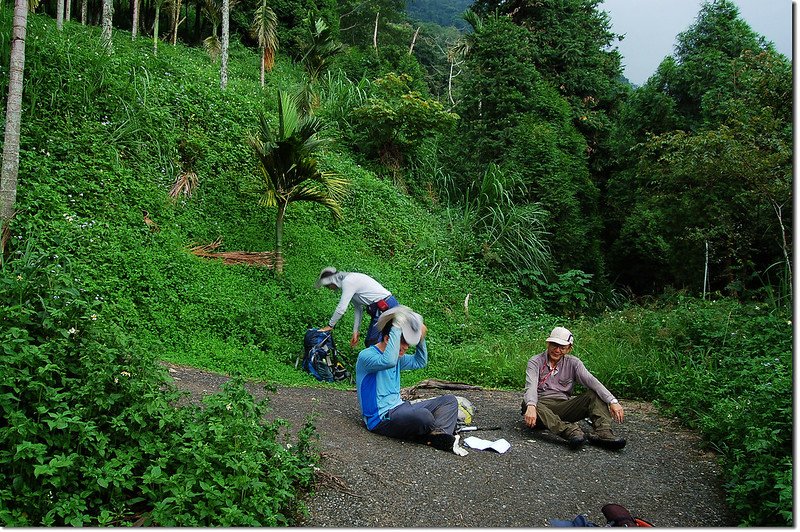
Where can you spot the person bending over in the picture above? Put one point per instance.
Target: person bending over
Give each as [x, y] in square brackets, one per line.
[363, 292]
[378, 368]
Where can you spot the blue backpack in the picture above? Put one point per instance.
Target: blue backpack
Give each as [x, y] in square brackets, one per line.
[320, 357]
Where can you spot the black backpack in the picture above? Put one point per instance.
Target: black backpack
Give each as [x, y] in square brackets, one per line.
[320, 357]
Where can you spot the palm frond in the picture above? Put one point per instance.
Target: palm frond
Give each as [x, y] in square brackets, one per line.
[185, 184]
[213, 47]
[288, 116]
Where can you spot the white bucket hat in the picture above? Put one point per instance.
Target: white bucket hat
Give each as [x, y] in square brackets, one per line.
[561, 336]
[409, 322]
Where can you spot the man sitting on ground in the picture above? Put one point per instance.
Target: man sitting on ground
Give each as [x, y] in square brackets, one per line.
[378, 370]
[549, 381]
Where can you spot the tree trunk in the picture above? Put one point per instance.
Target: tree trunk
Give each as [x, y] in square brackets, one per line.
[450, 84]
[176, 21]
[414, 41]
[67, 10]
[59, 15]
[84, 9]
[10, 166]
[198, 21]
[135, 22]
[263, 64]
[108, 11]
[155, 27]
[784, 244]
[375, 33]
[226, 13]
[279, 239]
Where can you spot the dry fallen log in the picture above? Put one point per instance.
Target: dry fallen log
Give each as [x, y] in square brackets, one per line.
[411, 393]
[252, 258]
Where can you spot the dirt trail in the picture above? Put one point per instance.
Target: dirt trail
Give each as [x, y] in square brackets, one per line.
[662, 475]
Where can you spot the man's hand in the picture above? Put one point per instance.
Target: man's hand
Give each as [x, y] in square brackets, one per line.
[424, 332]
[617, 412]
[530, 416]
[354, 339]
[325, 329]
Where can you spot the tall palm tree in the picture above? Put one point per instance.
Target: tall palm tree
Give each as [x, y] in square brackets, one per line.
[265, 29]
[108, 13]
[287, 168]
[157, 4]
[59, 15]
[10, 166]
[226, 15]
[320, 50]
[134, 22]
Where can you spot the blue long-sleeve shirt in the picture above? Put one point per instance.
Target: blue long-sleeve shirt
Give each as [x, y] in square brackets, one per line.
[378, 376]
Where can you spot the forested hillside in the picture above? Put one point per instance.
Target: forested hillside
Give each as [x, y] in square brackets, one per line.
[441, 12]
[500, 181]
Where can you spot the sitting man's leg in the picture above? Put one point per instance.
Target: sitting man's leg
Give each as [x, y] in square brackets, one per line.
[445, 413]
[432, 422]
[588, 404]
[561, 417]
[406, 421]
[600, 416]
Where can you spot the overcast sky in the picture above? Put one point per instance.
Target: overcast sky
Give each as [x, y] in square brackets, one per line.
[651, 26]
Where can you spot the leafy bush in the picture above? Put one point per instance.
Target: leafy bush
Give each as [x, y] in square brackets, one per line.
[90, 433]
[721, 366]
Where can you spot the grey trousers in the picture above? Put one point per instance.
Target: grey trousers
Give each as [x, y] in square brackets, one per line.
[408, 420]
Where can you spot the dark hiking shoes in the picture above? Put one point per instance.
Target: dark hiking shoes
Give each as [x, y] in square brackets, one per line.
[439, 440]
[444, 442]
[606, 439]
[574, 436]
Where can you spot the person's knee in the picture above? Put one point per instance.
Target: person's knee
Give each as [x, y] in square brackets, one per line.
[420, 419]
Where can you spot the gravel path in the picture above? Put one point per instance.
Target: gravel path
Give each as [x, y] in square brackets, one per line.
[662, 475]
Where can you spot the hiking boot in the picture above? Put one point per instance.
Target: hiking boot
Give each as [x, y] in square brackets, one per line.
[574, 436]
[604, 437]
[440, 440]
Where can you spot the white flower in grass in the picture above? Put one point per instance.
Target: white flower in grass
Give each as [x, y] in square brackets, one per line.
[228, 406]
[94, 317]
[72, 330]
[124, 373]
[288, 445]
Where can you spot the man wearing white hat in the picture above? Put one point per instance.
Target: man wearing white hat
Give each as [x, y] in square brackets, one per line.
[548, 400]
[378, 370]
[363, 292]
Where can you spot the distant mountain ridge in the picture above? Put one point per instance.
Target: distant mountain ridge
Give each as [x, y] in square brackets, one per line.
[442, 12]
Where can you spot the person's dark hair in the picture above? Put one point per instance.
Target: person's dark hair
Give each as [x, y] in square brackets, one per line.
[386, 329]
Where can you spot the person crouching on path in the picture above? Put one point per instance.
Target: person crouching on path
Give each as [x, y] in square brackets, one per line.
[378, 368]
[363, 292]
[549, 380]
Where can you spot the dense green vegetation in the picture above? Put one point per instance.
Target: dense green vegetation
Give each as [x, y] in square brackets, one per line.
[441, 12]
[546, 192]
